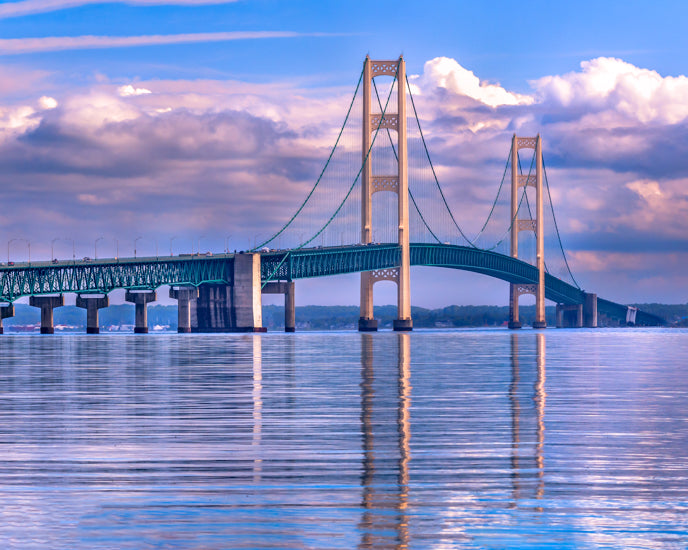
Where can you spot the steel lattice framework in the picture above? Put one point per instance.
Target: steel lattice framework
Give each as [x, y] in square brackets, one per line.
[103, 276]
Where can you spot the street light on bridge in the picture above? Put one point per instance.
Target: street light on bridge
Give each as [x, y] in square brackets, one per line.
[95, 247]
[171, 239]
[17, 239]
[135, 241]
[52, 248]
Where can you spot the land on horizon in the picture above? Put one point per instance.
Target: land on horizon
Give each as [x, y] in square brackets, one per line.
[120, 318]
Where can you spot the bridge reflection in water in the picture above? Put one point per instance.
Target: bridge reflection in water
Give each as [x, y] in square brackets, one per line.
[386, 426]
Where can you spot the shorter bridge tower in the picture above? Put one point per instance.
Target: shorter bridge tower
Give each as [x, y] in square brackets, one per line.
[397, 183]
[536, 225]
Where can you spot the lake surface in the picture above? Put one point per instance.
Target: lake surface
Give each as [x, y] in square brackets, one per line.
[457, 439]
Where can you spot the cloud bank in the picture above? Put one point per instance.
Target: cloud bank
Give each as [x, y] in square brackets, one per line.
[222, 158]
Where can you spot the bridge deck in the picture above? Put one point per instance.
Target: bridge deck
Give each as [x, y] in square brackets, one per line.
[103, 276]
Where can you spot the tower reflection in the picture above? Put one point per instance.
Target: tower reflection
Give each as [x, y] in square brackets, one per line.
[523, 430]
[386, 433]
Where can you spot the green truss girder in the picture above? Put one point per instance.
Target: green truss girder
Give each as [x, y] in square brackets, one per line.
[149, 273]
[107, 275]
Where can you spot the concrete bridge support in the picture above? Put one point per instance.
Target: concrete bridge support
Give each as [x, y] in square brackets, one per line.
[141, 299]
[231, 308]
[569, 315]
[590, 310]
[536, 225]
[47, 304]
[6, 311]
[184, 296]
[396, 183]
[92, 303]
[286, 288]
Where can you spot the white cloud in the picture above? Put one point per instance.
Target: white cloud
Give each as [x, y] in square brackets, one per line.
[648, 190]
[609, 84]
[446, 73]
[46, 102]
[130, 90]
[14, 46]
[28, 7]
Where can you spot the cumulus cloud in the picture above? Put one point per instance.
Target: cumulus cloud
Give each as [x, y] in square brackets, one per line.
[446, 74]
[46, 102]
[29, 7]
[612, 85]
[130, 90]
[209, 157]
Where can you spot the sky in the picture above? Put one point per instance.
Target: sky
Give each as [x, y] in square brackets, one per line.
[165, 123]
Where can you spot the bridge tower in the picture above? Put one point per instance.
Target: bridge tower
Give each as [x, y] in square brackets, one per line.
[537, 225]
[397, 183]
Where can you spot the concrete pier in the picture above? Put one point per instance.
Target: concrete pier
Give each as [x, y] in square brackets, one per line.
[184, 296]
[590, 310]
[47, 304]
[6, 311]
[569, 315]
[92, 303]
[231, 308]
[141, 299]
[287, 288]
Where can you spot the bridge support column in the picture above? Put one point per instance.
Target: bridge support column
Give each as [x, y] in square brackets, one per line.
[536, 225]
[396, 183]
[6, 311]
[47, 304]
[237, 307]
[367, 322]
[287, 288]
[184, 295]
[141, 299]
[247, 303]
[92, 303]
[590, 310]
[569, 315]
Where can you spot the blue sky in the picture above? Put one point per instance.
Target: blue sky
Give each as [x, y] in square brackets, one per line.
[172, 101]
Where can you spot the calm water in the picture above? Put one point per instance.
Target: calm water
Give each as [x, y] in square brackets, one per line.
[466, 439]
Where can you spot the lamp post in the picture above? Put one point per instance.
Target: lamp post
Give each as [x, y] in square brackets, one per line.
[135, 241]
[199, 243]
[116, 249]
[171, 239]
[17, 239]
[95, 247]
[52, 248]
[227, 243]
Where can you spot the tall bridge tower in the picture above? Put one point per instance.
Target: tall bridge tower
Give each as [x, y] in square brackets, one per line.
[536, 225]
[397, 183]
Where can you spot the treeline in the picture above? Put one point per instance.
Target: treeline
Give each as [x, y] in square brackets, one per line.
[325, 317]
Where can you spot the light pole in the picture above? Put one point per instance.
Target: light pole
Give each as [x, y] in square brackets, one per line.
[52, 248]
[8, 249]
[135, 241]
[116, 249]
[171, 239]
[227, 243]
[17, 239]
[199, 243]
[95, 247]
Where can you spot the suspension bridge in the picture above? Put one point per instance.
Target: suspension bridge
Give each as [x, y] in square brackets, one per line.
[377, 208]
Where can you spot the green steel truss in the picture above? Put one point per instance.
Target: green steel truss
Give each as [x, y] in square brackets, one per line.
[103, 276]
